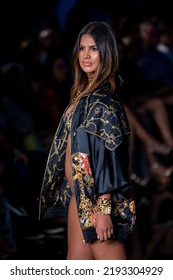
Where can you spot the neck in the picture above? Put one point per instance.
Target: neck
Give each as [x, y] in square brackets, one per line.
[90, 77]
[79, 94]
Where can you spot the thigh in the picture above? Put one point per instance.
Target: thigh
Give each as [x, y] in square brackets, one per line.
[76, 248]
[108, 250]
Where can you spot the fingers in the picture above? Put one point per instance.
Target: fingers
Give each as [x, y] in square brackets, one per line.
[104, 236]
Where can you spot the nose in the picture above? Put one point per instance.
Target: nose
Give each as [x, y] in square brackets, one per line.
[86, 54]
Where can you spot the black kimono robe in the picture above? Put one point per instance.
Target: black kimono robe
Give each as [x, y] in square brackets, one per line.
[100, 138]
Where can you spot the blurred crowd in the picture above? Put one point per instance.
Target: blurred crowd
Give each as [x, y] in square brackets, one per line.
[34, 91]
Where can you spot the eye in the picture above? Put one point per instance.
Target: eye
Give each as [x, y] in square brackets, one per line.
[81, 48]
[95, 49]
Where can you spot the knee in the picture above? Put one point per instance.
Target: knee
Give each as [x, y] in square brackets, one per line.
[154, 104]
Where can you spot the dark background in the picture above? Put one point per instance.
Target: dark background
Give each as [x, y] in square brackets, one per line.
[23, 19]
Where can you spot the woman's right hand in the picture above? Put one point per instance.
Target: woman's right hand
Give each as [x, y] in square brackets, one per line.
[104, 227]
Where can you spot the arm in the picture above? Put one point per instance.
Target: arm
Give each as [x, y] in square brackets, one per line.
[111, 180]
[103, 221]
[151, 144]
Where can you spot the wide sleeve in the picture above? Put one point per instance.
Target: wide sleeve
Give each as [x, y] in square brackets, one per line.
[111, 175]
[110, 168]
[108, 136]
[104, 144]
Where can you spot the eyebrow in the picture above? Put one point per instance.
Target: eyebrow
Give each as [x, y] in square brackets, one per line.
[89, 45]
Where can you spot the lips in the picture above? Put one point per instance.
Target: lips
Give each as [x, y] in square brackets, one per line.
[87, 64]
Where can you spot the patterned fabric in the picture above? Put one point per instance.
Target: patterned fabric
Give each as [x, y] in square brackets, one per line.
[82, 173]
[68, 119]
[107, 121]
[100, 160]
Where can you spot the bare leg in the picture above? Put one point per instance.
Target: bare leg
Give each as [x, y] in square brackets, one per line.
[162, 174]
[168, 99]
[77, 249]
[108, 250]
[136, 127]
[156, 106]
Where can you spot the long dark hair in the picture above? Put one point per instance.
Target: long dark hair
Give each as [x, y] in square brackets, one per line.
[106, 43]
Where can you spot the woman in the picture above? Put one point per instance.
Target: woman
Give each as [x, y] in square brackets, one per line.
[87, 170]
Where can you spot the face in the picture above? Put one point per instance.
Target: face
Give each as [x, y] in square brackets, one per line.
[88, 54]
[150, 35]
[59, 70]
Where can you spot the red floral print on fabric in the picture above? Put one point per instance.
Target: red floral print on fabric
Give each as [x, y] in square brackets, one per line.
[83, 159]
